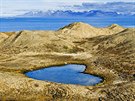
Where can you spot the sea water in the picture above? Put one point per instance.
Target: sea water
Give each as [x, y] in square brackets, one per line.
[17, 24]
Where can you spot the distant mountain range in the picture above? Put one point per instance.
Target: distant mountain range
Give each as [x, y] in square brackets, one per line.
[69, 13]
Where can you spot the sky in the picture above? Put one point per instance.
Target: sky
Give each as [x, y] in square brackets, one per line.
[17, 7]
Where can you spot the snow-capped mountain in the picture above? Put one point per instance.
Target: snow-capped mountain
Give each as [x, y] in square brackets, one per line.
[68, 13]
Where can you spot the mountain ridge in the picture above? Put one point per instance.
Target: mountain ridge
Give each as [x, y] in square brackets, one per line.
[66, 36]
[76, 30]
[70, 13]
[83, 30]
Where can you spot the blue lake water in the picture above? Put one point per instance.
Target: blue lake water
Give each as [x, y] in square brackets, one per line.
[67, 74]
[17, 24]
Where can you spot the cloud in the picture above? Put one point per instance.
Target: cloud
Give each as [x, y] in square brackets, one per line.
[12, 7]
[121, 7]
[68, 1]
[17, 7]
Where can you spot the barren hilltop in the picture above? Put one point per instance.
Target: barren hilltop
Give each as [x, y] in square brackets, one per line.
[108, 52]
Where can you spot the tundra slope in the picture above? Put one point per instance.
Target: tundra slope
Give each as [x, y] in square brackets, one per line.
[108, 52]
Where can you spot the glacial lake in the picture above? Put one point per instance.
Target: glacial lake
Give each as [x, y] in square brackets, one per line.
[66, 74]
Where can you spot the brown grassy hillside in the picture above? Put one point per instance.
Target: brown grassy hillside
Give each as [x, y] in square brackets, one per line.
[108, 52]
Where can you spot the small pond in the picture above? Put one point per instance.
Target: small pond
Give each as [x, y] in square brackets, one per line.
[67, 74]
